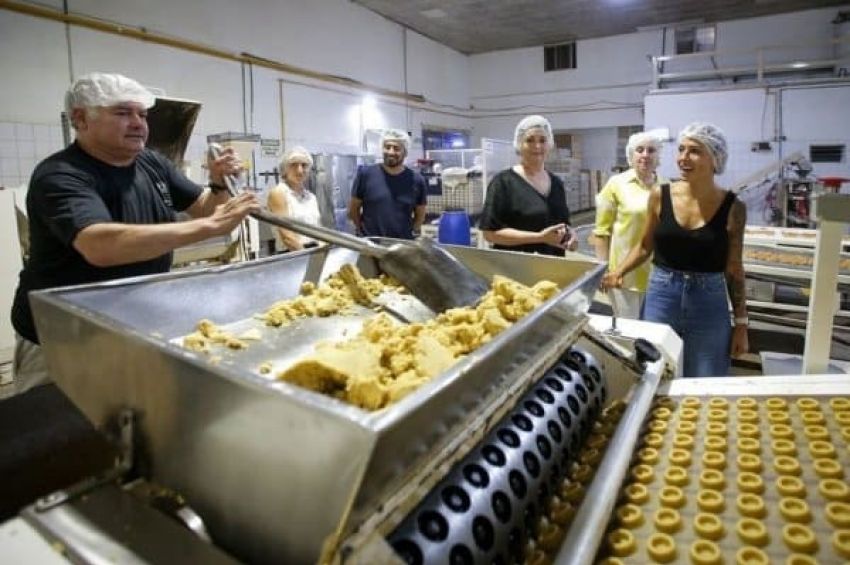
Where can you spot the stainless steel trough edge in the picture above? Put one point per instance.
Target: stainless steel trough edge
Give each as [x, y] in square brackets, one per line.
[273, 469]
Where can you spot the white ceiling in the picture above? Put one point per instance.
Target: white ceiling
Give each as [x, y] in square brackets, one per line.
[478, 26]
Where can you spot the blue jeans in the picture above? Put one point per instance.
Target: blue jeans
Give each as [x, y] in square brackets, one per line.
[696, 306]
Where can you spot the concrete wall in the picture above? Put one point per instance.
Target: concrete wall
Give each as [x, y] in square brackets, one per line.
[340, 38]
[809, 115]
[614, 76]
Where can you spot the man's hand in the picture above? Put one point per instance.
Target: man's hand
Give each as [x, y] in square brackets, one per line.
[227, 163]
[228, 215]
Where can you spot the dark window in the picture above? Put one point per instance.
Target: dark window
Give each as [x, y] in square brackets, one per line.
[695, 39]
[826, 153]
[444, 139]
[557, 57]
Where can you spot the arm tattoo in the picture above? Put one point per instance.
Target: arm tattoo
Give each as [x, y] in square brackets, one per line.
[735, 263]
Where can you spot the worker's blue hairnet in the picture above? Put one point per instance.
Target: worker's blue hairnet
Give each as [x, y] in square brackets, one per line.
[713, 138]
[529, 123]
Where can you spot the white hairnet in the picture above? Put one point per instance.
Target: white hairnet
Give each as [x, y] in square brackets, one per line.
[532, 122]
[396, 135]
[103, 89]
[294, 153]
[642, 138]
[713, 138]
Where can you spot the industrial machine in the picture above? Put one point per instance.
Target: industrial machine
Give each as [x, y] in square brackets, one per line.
[781, 193]
[171, 121]
[469, 173]
[518, 453]
[249, 454]
[780, 267]
[331, 180]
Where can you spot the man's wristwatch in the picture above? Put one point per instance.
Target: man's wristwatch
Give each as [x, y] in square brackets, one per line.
[215, 188]
[742, 321]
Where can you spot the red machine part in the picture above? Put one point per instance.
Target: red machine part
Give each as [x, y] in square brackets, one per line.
[833, 184]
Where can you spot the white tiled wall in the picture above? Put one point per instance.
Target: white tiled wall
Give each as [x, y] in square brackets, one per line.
[22, 146]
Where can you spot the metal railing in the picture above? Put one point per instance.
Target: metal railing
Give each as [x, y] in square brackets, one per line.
[758, 63]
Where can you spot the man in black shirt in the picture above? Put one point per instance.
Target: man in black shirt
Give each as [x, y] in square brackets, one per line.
[105, 207]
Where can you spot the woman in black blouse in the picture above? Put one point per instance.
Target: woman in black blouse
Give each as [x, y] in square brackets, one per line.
[526, 207]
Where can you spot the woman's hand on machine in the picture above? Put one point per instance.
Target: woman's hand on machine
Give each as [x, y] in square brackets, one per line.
[740, 341]
[611, 279]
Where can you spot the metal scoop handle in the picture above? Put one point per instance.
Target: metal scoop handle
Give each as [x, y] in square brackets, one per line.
[342, 239]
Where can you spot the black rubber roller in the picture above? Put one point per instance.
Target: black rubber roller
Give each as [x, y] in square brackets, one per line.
[483, 511]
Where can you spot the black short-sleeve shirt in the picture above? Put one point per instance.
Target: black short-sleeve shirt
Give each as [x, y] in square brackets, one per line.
[513, 203]
[72, 190]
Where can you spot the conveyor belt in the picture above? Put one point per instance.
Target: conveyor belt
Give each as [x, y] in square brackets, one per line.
[787, 258]
[741, 480]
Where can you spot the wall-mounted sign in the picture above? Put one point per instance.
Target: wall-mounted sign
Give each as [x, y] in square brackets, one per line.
[270, 147]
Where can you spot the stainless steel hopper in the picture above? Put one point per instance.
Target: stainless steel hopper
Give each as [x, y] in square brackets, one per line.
[276, 471]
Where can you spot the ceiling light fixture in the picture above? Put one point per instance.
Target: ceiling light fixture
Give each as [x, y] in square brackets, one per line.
[672, 25]
[434, 13]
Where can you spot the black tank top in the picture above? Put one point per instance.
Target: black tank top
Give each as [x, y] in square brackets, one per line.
[702, 250]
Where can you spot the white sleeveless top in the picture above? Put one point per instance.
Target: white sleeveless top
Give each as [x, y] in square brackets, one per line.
[303, 207]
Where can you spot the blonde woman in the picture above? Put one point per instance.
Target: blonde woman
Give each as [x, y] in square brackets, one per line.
[526, 207]
[292, 199]
[621, 216]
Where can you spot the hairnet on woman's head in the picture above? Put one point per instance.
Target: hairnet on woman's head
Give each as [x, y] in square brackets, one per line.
[642, 139]
[713, 138]
[396, 135]
[295, 153]
[105, 89]
[529, 123]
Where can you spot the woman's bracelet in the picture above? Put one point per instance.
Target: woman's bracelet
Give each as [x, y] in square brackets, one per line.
[742, 321]
[215, 188]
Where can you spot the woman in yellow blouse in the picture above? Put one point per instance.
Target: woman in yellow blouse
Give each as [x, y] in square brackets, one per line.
[621, 215]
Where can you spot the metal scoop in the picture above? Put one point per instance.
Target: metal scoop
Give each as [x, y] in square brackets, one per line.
[430, 273]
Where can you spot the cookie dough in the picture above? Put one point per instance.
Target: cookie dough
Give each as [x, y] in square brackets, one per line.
[386, 361]
[207, 334]
[335, 296]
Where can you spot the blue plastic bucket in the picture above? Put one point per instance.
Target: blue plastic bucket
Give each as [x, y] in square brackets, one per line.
[454, 228]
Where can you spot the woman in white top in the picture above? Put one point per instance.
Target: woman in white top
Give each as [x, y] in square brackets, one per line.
[292, 199]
